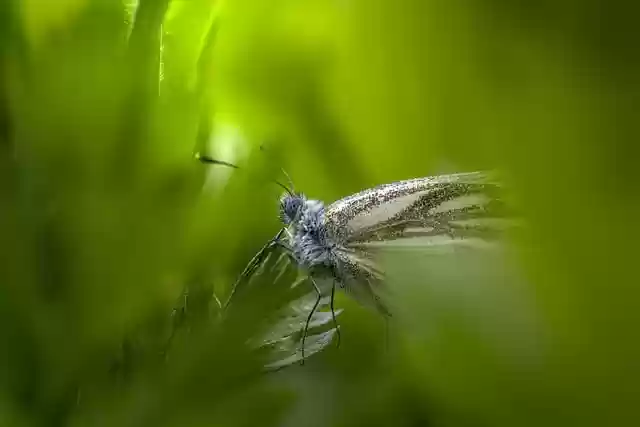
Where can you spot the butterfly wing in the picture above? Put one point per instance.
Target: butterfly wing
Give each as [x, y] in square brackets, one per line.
[443, 213]
[359, 276]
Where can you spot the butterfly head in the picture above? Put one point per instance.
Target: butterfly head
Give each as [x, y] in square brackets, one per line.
[291, 205]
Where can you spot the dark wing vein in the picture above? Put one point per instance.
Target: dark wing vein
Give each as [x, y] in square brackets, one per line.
[475, 210]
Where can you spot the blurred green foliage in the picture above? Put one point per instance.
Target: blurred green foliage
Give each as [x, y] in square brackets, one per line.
[116, 243]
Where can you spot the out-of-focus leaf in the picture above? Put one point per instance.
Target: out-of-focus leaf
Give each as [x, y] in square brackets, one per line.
[314, 343]
[42, 17]
[281, 336]
[284, 338]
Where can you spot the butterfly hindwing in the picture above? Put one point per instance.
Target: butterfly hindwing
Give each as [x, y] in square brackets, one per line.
[358, 275]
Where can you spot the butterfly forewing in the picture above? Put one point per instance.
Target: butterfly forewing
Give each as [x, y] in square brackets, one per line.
[454, 204]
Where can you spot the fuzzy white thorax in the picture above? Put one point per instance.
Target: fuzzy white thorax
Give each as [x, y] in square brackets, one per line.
[309, 240]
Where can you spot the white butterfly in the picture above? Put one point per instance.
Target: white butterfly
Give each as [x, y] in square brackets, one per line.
[339, 242]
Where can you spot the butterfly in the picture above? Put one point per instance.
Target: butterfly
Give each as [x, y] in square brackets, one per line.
[340, 243]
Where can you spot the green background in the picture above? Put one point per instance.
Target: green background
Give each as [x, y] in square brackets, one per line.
[106, 218]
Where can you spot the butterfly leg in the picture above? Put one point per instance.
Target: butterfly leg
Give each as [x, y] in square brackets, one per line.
[255, 263]
[386, 333]
[333, 312]
[313, 310]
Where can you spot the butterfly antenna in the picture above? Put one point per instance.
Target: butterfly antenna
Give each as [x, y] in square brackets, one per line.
[289, 191]
[291, 188]
[284, 172]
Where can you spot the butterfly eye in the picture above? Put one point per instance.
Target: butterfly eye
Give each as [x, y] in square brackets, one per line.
[289, 208]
